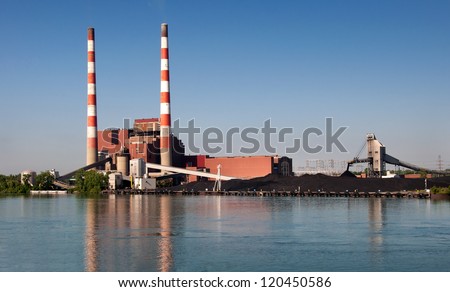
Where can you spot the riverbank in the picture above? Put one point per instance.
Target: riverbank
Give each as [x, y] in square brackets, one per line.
[254, 193]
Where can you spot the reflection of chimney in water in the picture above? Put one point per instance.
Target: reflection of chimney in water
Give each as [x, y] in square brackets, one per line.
[165, 244]
[92, 144]
[90, 239]
[165, 120]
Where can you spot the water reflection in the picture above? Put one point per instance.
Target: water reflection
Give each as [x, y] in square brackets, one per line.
[137, 233]
[90, 238]
[376, 221]
[165, 243]
[376, 218]
[213, 233]
[128, 233]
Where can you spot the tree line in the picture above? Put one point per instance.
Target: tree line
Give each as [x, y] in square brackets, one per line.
[13, 184]
[88, 182]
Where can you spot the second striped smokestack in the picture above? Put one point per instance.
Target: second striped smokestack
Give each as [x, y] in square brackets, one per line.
[165, 121]
[92, 144]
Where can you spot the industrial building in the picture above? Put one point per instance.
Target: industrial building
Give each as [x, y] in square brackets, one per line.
[138, 156]
[141, 141]
[150, 143]
[244, 167]
[377, 158]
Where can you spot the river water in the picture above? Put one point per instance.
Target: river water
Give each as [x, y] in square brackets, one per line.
[213, 233]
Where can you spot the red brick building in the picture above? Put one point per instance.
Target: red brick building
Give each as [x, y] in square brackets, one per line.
[244, 167]
[142, 141]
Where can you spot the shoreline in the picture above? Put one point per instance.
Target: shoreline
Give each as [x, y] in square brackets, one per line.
[165, 192]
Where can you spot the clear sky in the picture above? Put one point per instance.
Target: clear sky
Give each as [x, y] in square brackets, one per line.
[373, 66]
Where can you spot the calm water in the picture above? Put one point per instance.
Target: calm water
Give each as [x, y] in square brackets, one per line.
[149, 233]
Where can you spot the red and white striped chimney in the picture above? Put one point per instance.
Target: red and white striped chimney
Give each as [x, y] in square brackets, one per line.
[165, 121]
[92, 146]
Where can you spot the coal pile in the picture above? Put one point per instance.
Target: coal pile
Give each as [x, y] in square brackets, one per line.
[347, 174]
[318, 182]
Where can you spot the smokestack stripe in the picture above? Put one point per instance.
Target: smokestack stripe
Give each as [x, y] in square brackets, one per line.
[165, 120]
[92, 144]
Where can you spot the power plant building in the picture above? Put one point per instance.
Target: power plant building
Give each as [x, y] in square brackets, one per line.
[150, 139]
[245, 167]
[142, 141]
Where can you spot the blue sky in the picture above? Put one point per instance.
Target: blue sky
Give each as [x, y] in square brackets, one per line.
[373, 66]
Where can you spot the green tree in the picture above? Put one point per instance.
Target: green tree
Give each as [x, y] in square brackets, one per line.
[12, 184]
[44, 181]
[90, 182]
[440, 190]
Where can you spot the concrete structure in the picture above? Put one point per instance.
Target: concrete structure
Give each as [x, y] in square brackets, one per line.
[115, 181]
[165, 120]
[54, 173]
[92, 146]
[28, 176]
[375, 153]
[137, 168]
[144, 183]
[377, 159]
[123, 164]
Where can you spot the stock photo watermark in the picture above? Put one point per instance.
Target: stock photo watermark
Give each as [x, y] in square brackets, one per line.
[249, 140]
[267, 138]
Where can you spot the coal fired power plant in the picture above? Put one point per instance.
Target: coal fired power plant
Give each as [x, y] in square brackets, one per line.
[149, 150]
[146, 155]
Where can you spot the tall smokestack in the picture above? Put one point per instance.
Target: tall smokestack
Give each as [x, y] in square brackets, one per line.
[165, 121]
[92, 147]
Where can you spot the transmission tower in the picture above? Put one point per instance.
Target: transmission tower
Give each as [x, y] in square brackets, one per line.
[439, 162]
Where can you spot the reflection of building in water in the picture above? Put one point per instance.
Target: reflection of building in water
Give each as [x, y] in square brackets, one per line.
[129, 234]
[376, 220]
